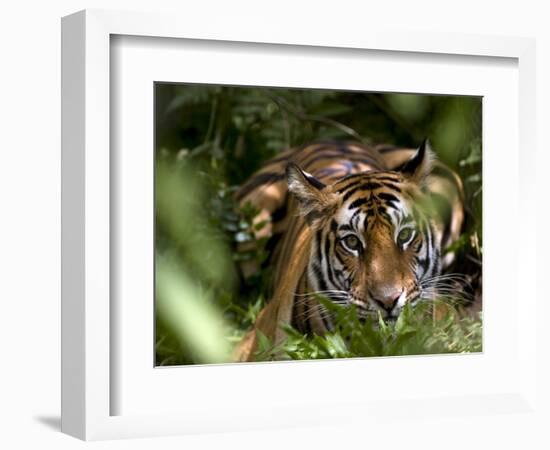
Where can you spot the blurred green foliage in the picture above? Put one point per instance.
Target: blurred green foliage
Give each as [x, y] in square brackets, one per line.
[210, 139]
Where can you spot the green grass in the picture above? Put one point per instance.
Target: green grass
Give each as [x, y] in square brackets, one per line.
[415, 332]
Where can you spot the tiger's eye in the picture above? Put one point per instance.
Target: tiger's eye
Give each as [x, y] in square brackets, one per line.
[352, 242]
[404, 235]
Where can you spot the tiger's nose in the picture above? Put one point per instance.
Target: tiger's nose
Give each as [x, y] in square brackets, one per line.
[386, 298]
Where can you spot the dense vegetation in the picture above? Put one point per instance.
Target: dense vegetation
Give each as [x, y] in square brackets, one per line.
[210, 139]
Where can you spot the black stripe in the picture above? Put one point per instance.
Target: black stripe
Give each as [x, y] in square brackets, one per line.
[391, 186]
[424, 263]
[337, 256]
[352, 182]
[428, 235]
[357, 203]
[319, 277]
[382, 212]
[319, 239]
[344, 149]
[387, 197]
[355, 214]
[361, 187]
[261, 178]
[387, 178]
[327, 259]
[278, 159]
[391, 205]
[280, 213]
[315, 156]
[327, 172]
[331, 156]
[388, 148]
[338, 273]
[349, 178]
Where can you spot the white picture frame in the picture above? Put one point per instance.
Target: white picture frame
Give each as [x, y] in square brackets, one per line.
[88, 331]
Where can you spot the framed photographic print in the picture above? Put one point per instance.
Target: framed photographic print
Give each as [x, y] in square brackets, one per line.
[309, 241]
[252, 217]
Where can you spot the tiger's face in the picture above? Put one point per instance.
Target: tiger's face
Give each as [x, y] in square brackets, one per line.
[372, 239]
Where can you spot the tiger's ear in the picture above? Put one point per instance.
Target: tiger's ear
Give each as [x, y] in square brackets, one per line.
[419, 166]
[315, 199]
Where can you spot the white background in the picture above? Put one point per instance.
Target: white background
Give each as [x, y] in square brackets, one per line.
[30, 188]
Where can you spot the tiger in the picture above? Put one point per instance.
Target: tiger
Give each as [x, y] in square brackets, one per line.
[362, 225]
